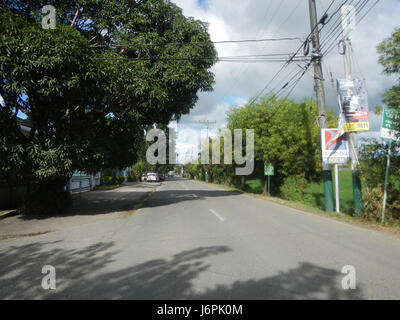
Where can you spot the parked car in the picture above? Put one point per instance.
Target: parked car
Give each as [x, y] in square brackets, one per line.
[152, 177]
[143, 177]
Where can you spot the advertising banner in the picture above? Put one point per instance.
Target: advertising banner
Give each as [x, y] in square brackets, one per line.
[353, 103]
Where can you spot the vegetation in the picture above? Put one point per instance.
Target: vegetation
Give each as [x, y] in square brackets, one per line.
[89, 93]
[389, 58]
[287, 137]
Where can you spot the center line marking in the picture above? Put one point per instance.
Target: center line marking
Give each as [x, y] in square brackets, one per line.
[217, 215]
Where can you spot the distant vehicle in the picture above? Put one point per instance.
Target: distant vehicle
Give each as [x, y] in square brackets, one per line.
[143, 177]
[152, 177]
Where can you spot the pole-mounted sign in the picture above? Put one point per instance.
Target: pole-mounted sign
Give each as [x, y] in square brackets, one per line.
[335, 149]
[269, 171]
[388, 129]
[353, 103]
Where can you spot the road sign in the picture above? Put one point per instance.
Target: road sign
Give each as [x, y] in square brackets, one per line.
[335, 149]
[388, 126]
[268, 169]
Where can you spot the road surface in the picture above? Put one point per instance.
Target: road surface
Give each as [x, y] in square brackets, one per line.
[193, 240]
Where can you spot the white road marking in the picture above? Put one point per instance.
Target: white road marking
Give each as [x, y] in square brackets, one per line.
[217, 215]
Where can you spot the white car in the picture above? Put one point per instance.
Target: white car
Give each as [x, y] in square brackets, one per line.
[152, 177]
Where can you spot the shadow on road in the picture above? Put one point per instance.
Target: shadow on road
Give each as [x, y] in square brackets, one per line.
[86, 274]
[168, 197]
[103, 202]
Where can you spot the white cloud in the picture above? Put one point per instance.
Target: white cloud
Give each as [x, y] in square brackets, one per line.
[252, 19]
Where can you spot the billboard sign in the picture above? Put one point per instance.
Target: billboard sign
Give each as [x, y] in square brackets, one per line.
[353, 102]
[335, 149]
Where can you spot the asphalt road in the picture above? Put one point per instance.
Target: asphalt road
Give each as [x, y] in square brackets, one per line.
[196, 241]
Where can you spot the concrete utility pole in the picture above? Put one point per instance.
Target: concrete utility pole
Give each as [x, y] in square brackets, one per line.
[347, 25]
[320, 91]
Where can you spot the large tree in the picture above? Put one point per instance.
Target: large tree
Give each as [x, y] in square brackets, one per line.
[91, 85]
[389, 58]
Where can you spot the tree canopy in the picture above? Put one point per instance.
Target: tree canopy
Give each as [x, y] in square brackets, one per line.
[285, 134]
[389, 58]
[91, 85]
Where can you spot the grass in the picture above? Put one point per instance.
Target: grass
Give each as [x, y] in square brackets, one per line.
[316, 192]
[255, 186]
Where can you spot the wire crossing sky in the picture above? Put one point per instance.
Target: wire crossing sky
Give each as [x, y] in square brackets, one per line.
[240, 82]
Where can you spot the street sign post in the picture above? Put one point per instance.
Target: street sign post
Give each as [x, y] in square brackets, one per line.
[269, 171]
[335, 150]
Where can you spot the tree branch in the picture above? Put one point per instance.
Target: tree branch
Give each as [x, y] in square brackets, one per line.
[76, 15]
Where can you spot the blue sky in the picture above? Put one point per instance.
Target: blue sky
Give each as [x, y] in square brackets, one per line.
[203, 4]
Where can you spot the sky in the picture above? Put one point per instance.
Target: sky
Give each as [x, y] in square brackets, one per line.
[237, 83]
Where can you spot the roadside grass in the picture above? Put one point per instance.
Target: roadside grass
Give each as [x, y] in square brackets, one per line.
[255, 186]
[315, 192]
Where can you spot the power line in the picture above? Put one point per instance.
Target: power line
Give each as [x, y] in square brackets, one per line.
[244, 69]
[360, 8]
[292, 58]
[337, 30]
[246, 59]
[196, 42]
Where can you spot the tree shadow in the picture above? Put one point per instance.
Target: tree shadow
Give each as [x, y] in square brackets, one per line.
[101, 202]
[168, 197]
[87, 273]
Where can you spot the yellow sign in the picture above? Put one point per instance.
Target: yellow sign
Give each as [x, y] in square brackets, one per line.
[356, 126]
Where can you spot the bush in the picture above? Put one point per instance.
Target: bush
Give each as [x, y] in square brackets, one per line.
[131, 179]
[372, 172]
[120, 180]
[294, 188]
[108, 180]
[372, 202]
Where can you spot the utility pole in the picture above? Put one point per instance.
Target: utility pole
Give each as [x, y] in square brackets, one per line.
[320, 91]
[351, 136]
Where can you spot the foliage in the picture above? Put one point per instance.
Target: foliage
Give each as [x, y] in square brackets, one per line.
[373, 158]
[87, 107]
[108, 180]
[120, 179]
[286, 135]
[294, 188]
[389, 58]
